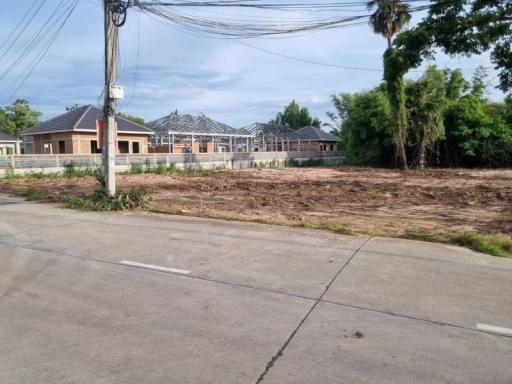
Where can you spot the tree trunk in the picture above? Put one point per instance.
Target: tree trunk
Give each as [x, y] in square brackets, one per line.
[389, 41]
[421, 154]
[402, 156]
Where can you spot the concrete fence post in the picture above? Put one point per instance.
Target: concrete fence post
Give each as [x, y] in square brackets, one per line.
[57, 162]
[13, 162]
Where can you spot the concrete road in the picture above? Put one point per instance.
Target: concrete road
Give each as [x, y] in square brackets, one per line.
[141, 298]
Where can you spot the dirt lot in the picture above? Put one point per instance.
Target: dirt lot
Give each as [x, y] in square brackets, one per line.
[364, 200]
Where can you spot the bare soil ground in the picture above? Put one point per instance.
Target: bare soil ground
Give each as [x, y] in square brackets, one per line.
[364, 200]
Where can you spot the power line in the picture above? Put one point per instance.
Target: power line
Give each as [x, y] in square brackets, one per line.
[19, 24]
[231, 29]
[43, 31]
[308, 61]
[137, 63]
[22, 30]
[42, 53]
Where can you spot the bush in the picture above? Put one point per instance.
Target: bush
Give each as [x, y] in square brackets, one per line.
[32, 194]
[133, 198]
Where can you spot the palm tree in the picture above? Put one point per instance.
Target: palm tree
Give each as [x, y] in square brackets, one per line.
[389, 18]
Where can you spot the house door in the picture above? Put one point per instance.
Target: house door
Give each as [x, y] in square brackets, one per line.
[62, 146]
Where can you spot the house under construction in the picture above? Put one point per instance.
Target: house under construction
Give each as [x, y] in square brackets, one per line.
[199, 134]
[280, 138]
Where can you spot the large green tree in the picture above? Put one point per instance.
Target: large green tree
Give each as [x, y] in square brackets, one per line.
[6, 125]
[394, 71]
[295, 117]
[449, 123]
[426, 103]
[364, 127]
[22, 117]
[463, 27]
[388, 18]
[477, 134]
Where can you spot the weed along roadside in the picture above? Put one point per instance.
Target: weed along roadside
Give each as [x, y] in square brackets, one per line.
[461, 207]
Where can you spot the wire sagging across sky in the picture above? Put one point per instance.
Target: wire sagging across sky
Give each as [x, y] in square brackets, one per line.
[189, 16]
[27, 46]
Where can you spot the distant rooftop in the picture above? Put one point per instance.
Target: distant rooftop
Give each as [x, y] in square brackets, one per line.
[317, 134]
[84, 119]
[5, 137]
[287, 133]
[186, 124]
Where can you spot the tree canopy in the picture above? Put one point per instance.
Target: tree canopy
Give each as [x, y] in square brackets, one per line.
[463, 27]
[134, 119]
[294, 116]
[18, 117]
[448, 122]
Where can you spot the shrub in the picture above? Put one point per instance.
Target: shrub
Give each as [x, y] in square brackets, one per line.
[32, 194]
[99, 200]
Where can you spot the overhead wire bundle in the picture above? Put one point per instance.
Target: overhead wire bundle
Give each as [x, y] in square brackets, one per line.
[21, 52]
[190, 16]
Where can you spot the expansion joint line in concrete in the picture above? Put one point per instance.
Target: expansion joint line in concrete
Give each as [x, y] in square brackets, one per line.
[279, 353]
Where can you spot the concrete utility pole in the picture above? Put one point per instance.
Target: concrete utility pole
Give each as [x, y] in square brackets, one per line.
[109, 109]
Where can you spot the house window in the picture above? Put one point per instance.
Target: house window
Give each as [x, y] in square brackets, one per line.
[123, 146]
[62, 146]
[332, 147]
[135, 147]
[47, 148]
[94, 147]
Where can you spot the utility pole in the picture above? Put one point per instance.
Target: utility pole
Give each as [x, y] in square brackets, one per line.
[115, 17]
[109, 108]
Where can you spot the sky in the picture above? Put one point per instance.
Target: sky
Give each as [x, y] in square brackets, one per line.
[163, 69]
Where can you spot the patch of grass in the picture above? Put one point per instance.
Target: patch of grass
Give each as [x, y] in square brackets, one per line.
[136, 169]
[326, 225]
[32, 194]
[496, 245]
[72, 169]
[133, 198]
[161, 168]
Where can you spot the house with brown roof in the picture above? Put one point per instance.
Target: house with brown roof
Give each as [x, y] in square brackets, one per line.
[74, 132]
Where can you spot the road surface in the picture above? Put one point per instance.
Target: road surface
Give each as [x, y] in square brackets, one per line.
[136, 298]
